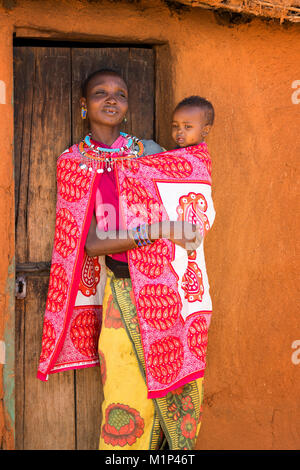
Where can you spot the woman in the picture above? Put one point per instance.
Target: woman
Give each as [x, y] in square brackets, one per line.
[106, 102]
[90, 179]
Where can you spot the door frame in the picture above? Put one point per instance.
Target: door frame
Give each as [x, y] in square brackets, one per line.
[163, 107]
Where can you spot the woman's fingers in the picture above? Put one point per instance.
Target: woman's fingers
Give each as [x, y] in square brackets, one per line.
[182, 233]
[192, 246]
[194, 243]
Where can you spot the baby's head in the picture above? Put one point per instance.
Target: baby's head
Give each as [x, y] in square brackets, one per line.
[192, 120]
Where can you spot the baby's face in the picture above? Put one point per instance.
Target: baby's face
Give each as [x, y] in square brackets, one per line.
[189, 126]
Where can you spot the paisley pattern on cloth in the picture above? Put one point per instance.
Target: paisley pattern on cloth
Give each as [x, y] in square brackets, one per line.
[170, 291]
[73, 313]
[90, 275]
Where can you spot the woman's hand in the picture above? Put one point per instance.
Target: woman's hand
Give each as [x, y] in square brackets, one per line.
[186, 235]
[181, 233]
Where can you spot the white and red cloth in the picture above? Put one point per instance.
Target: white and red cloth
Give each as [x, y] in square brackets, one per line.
[171, 290]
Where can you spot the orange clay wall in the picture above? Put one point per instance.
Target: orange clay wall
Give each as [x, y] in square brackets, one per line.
[251, 74]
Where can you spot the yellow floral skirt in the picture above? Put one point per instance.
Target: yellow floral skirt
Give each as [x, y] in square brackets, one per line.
[131, 421]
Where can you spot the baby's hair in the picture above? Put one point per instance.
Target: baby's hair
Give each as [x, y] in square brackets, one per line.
[86, 82]
[201, 103]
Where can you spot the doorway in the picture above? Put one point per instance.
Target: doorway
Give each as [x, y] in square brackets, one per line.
[65, 412]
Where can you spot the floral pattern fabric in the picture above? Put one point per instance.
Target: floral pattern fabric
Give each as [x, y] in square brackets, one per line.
[123, 425]
[130, 419]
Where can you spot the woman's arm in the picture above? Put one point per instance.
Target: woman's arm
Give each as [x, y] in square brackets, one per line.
[99, 243]
[107, 243]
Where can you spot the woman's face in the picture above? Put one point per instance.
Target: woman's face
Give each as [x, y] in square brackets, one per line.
[106, 100]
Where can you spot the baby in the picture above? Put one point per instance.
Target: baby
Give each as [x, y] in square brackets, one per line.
[192, 120]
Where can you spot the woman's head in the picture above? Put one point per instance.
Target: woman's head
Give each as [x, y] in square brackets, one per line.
[105, 96]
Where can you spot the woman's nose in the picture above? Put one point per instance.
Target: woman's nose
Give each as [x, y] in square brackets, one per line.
[111, 98]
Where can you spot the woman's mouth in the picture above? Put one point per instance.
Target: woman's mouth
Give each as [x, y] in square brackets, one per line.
[180, 140]
[110, 111]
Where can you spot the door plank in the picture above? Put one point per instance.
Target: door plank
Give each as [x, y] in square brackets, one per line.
[24, 68]
[42, 132]
[49, 418]
[89, 396]
[141, 92]
[50, 136]
[19, 372]
[44, 411]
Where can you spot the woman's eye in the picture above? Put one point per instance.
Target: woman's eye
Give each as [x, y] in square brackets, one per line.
[188, 127]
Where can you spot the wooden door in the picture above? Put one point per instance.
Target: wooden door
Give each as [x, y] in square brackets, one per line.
[63, 413]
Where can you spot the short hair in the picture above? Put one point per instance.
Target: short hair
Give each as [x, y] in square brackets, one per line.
[201, 103]
[86, 82]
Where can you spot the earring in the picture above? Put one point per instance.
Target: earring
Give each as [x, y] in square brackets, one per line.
[83, 112]
[125, 119]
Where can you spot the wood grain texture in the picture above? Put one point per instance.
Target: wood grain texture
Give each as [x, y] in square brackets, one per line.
[44, 411]
[24, 66]
[89, 396]
[141, 85]
[19, 372]
[43, 131]
[50, 136]
[47, 417]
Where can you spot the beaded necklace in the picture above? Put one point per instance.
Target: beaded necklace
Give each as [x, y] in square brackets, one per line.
[101, 159]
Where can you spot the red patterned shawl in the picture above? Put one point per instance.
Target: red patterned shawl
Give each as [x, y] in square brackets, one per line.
[171, 290]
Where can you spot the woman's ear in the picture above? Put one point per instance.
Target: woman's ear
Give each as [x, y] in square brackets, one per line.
[82, 101]
[83, 111]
